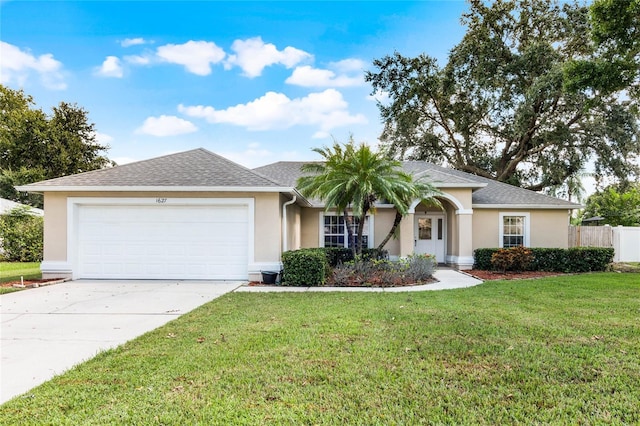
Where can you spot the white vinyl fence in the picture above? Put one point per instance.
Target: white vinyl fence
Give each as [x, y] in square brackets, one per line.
[624, 239]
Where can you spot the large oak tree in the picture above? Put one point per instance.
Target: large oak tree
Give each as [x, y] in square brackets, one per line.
[36, 146]
[499, 107]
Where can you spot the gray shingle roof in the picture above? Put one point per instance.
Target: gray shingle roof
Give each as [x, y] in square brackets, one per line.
[195, 168]
[486, 192]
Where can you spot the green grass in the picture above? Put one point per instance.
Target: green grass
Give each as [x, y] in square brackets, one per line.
[561, 350]
[12, 271]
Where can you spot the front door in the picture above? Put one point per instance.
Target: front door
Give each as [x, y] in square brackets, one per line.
[429, 234]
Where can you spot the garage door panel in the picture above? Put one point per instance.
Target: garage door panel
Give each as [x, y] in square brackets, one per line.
[147, 242]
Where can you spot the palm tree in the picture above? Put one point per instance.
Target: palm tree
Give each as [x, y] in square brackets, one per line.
[355, 176]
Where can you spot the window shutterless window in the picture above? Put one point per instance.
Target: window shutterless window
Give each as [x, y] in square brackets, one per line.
[335, 233]
[514, 230]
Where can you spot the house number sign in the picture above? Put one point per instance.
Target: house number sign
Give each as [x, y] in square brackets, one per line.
[161, 200]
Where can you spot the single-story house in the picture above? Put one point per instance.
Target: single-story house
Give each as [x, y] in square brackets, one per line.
[197, 215]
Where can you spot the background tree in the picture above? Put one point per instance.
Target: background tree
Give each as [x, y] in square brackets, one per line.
[615, 64]
[617, 207]
[355, 176]
[34, 146]
[499, 108]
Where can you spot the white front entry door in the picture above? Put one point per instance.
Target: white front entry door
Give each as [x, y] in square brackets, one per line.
[429, 232]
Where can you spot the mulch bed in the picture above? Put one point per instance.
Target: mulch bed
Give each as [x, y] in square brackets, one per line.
[492, 275]
[374, 284]
[33, 283]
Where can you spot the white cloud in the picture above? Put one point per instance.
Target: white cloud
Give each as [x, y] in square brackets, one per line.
[144, 59]
[127, 42]
[380, 96]
[253, 55]
[17, 65]
[124, 160]
[166, 125]
[307, 76]
[195, 56]
[103, 138]
[111, 67]
[255, 155]
[326, 109]
[349, 65]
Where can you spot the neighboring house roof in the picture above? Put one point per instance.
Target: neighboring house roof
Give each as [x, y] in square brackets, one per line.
[487, 193]
[7, 205]
[197, 169]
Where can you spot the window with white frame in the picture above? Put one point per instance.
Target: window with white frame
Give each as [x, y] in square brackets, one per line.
[514, 230]
[334, 233]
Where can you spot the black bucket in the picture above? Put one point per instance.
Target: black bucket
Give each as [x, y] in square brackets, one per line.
[269, 277]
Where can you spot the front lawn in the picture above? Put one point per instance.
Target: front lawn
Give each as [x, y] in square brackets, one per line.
[560, 350]
[12, 271]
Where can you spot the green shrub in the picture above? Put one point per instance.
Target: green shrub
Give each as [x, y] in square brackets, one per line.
[577, 259]
[420, 267]
[305, 267]
[384, 273]
[512, 259]
[549, 259]
[339, 255]
[21, 236]
[482, 258]
[589, 259]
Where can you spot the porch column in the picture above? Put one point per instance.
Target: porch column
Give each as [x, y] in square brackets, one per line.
[464, 259]
[406, 235]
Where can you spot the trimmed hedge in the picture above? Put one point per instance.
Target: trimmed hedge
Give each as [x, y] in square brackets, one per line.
[305, 267]
[575, 259]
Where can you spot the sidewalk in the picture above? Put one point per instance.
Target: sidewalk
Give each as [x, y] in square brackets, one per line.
[448, 279]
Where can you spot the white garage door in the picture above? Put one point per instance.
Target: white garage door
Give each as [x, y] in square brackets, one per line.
[162, 242]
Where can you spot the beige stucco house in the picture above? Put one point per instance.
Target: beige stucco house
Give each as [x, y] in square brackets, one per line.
[197, 215]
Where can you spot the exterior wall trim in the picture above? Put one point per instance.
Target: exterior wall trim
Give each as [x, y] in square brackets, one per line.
[527, 206]
[461, 262]
[527, 226]
[56, 269]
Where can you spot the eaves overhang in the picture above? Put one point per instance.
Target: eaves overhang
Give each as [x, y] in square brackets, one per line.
[474, 185]
[116, 188]
[528, 206]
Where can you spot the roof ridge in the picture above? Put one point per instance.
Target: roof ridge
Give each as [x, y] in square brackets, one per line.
[213, 154]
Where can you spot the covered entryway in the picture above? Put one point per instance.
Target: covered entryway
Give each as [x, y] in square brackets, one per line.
[166, 239]
[429, 234]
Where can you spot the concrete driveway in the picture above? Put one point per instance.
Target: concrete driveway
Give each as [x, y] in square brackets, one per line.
[47, 330]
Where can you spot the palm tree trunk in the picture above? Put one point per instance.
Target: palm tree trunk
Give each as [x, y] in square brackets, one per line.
[352, 240]
[361, 229]
[396, 223]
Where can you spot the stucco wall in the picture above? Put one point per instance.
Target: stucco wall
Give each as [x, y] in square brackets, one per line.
[548, 228]
[383, 221]
[309, 228]
[267, 231]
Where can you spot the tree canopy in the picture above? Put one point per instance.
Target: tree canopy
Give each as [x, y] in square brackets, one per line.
[615, 206]
[36, 146]
[615, 62]
[499, 108]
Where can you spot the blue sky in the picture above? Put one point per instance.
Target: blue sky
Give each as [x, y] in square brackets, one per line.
[256, 82]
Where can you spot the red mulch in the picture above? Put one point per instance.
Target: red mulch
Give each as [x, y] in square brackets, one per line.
[28, 283]
[491, 275]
